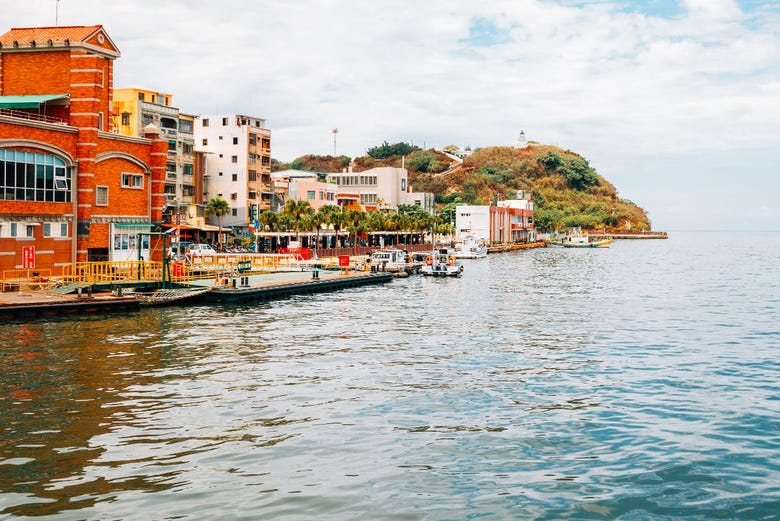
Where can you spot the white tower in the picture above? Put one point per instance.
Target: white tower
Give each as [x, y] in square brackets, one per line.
[522, 142]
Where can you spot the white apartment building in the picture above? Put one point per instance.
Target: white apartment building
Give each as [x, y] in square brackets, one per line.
[381, 188]
[472, 220]
[510, 221]
[237, 151]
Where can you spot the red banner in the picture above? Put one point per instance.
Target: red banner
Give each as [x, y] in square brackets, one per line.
[28, 257]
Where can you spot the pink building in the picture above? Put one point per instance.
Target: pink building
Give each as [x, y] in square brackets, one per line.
[305, 186]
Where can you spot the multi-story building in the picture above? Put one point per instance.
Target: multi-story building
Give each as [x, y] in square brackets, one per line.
[70, 187]
[378, 188]
[304, 186]
[509, 221]
[238, 165]
[135, 109]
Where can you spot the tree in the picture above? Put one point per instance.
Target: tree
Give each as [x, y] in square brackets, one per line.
[269, 220]
[296, 210]
[329, 215]
[579, 174]
[550, 161]
[386, 150]
[219, 207]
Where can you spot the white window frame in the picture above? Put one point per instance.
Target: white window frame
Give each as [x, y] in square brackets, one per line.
[132, 181]
[101, 189]
[51, 230]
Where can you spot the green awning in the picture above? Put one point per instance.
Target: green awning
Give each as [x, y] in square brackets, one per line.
[32, 101]
[132, 225]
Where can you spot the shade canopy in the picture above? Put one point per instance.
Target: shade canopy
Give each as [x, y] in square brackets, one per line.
[32, 101]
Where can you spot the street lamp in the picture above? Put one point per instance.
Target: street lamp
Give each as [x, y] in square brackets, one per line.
[335, 131]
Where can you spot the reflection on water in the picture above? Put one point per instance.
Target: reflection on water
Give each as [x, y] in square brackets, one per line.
[637, 382]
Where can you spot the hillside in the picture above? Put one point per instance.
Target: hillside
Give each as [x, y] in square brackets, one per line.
[566, 190]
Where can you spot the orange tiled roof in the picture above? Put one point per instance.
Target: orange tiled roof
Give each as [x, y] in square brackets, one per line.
[77, 33]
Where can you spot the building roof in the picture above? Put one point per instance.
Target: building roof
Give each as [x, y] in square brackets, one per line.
[93, 37]
[32, 101]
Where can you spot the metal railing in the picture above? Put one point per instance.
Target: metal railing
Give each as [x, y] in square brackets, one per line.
[31, 116]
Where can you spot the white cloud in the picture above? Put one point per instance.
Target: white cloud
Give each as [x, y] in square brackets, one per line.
[603, 79]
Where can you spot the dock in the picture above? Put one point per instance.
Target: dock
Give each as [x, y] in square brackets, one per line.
[30, 305]
[238, 291]
[501, 248]
[23, 306]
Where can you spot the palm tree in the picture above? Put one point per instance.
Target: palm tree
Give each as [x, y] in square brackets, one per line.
[296, 210]
[352, 219]
[268, 219]
[330, 213]
[218, 207]
[317, 220]
[394, 224]
[376, 221]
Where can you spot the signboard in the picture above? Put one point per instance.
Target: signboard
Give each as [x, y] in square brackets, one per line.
[344, 261]
[28, 257]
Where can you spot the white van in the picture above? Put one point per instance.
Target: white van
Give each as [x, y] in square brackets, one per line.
[201, 249]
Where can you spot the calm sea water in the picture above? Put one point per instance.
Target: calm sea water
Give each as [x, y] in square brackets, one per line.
[633, 383]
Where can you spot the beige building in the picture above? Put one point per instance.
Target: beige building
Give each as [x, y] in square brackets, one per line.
[380, 188]
[299, 185]
[135, 109]
[238, 165]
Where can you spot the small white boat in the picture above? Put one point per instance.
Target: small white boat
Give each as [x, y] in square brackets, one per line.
[394, 260]
[471, 247]
[577, 239]
[441, 264]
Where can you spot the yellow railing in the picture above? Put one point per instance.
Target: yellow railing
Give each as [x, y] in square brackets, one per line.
[24, 279]
[206, 266]
[111, 271]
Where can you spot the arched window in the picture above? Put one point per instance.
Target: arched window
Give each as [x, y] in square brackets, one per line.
[29, 176]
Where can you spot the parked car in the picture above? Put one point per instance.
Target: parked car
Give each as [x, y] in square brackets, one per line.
[179, 248]
[201, 249]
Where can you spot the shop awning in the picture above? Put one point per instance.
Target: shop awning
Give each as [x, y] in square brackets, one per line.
[204, 228]
[33, 101]
[132, 225]
[181, 226]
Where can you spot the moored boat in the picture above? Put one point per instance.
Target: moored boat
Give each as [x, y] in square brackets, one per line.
[394, 260]
[471, 247]
[439, 263]
[577, 239]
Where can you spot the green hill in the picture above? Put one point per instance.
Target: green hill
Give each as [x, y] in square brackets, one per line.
[566, 190]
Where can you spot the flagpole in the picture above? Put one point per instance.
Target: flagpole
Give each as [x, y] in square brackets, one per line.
[56, 12]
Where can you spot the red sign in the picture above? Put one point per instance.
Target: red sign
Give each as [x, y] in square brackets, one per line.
[344, 261]
[28, 257]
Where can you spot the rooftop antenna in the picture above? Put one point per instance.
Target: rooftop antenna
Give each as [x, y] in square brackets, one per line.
[56, 12]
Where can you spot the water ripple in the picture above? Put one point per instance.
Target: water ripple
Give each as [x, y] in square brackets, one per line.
[631, 383]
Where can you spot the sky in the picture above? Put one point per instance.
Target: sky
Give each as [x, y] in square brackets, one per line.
[676, 103]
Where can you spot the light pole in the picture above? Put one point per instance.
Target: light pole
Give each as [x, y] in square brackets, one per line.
[335, 131]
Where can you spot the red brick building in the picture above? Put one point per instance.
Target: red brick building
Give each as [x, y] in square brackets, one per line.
[69, 185]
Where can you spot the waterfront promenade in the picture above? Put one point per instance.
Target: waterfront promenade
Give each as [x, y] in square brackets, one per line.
[39, 303]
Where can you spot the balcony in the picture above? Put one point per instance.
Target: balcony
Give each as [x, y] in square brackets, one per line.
[159, 109]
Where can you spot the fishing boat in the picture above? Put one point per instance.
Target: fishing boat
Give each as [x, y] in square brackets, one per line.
[394, 260]
[577, 239]
[471, 247]
[439, 263]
